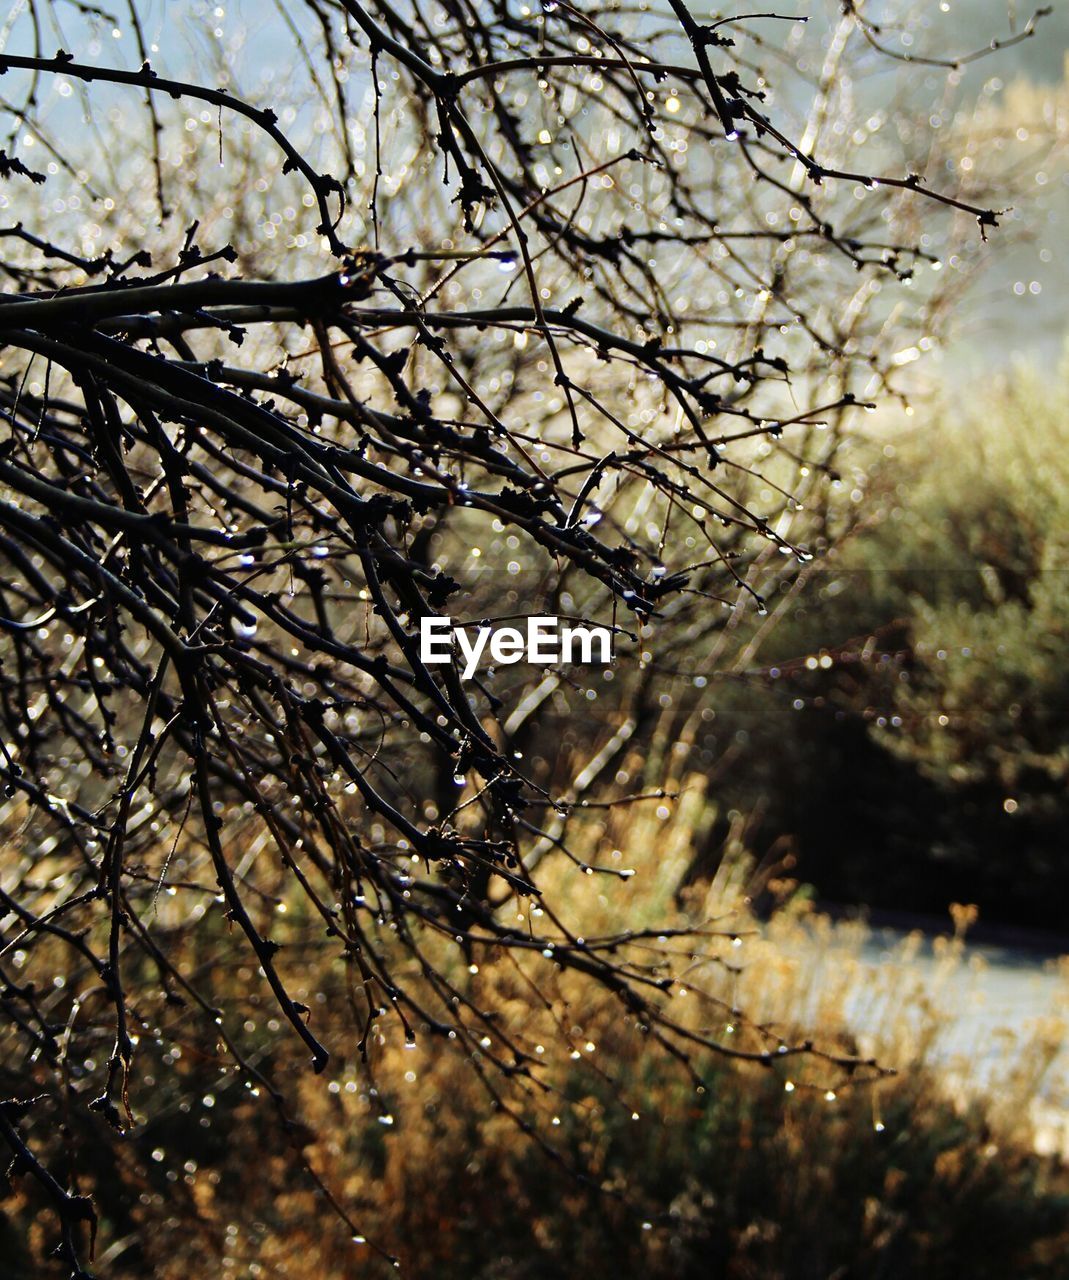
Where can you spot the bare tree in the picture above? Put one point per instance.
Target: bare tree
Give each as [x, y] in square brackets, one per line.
[486, 310]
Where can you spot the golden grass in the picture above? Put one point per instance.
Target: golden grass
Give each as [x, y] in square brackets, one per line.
[612, 1159]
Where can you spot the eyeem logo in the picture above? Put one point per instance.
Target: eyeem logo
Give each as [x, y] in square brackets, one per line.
[545, 643]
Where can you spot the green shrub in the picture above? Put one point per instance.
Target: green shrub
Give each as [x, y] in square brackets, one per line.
[905, 720]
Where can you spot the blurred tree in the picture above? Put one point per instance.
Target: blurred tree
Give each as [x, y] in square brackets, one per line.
[475, 309]
[906, 721]
[981, 567]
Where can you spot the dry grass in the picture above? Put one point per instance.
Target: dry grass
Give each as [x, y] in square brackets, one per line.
[630, 1166]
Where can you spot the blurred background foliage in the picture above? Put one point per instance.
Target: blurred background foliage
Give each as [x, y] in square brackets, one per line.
[619, 1160]
[905, 721]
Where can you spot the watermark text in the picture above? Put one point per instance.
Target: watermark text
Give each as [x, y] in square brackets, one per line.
[546, 641]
